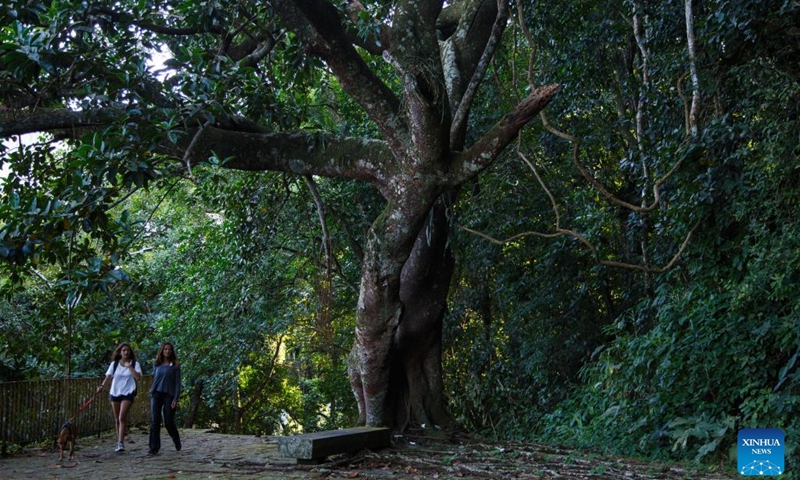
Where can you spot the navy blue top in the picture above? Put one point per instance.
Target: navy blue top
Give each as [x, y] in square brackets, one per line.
[167, 379]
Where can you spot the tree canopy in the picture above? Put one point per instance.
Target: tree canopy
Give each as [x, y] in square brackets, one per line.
[80, 72]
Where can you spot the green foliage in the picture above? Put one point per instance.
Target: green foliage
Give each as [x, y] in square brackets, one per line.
[668, 365]
[721, 354]
[229, 268]
[541, 340]
[240, 297]
[40, 342]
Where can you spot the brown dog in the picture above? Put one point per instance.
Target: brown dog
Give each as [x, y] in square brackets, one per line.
[67, 436]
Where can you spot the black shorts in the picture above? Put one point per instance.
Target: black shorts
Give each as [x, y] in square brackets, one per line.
[120, 398]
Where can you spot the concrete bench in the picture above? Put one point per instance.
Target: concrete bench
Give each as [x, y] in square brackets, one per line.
[315, 447]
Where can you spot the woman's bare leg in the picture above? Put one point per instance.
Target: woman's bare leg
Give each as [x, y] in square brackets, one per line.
[116, 406]
[122, 419]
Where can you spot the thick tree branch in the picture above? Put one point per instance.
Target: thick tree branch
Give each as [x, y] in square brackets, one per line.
[247, 145]
[470, 163]
[464, 106]
[415, 55]
[318, 23]
[20, 122]
[297, 152]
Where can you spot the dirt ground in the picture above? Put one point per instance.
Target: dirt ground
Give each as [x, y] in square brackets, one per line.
[218, 456]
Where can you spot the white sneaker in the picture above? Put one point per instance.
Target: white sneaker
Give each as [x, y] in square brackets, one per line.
[120, 447]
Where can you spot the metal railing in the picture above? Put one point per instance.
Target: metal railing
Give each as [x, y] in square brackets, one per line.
[34, 411]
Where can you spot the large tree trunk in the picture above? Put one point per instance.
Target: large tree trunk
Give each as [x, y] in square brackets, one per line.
[380, 309]
[417, 385]
[407, 386]
[380, 341]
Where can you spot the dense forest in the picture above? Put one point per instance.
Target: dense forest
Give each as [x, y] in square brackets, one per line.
[573, 224]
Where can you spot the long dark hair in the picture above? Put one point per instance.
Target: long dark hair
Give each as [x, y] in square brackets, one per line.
[117, 355]
[160, 355]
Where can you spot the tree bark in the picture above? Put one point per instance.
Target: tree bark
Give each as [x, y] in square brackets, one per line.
[409, 383]
[417, 369]
[197, 395]
[380, 308]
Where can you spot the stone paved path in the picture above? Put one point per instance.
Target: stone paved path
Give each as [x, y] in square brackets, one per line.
[216, 456]
[204, 455]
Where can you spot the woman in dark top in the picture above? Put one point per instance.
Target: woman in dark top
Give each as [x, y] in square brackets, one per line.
[164, 397]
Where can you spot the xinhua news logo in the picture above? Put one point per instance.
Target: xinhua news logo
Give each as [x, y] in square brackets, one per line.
[760, 451]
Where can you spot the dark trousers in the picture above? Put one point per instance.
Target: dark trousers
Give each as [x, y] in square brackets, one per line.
[160, 402]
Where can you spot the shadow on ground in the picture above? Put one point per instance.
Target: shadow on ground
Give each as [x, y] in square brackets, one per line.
[218, 456]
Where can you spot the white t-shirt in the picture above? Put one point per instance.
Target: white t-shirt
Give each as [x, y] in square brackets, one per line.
[123, 382]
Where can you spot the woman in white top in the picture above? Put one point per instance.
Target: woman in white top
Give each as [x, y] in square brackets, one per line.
[123, 372]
